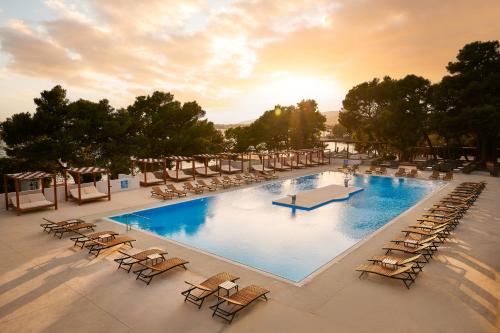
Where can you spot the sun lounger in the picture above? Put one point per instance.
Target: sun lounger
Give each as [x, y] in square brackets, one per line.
[381, 171]
[401, 260]
[253, 176]
[371, 170]
[156, 191]
[197, 293]
[176, 191]
[231, 181]
[242, 179]
[49, 225]
[149, 271]
[412, 174]
[418, 240]
[238, 301]
[128, 260]
[448, 176]
[84, 238]
[150, 179]
[178, 175]
[222, 183]
[188, 186]
[400, 173]
[72, 228]
[440, 232]
[403, 273]
[98, 246]
[203, 184]
[435, 175]
[423, 249]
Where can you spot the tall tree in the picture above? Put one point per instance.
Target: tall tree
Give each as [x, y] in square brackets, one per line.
[468, 100]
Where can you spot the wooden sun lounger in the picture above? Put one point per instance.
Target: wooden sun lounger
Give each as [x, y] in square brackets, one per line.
[231, 181]
[83, 239]
[418, 240]
[98, 246]
[128, 260]
[222, 183]
[202, 183]
[243, 179]
[156, 191]
[423, 249]
[49, 225]
[238, 301]
[401, 260]
[403, 273]
[441, 233]
[206, 288]
[188, 186]
[73, 228]
[176, 191]
[148, 272]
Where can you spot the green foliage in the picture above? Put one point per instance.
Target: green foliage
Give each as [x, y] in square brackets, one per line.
[393, 111]
[467, 102]
[86, 133]
[283, 127]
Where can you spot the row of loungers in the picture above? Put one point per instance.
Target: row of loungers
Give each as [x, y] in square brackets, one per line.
[406, 255]
[152, 262]
[200, 185]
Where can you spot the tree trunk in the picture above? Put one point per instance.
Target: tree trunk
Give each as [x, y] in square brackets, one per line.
[429, 143]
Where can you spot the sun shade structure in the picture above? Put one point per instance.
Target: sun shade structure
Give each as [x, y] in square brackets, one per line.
[178, 174]
[229, 157]
[31, 201]
[205, 170]
[87, 193]
[149, 177]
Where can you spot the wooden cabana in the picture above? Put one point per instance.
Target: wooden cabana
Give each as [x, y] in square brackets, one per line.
[263, 157]
[149, 176]
[29, 201]
[229, 157]
[205, 171]
[279, 160]
[86, 193]
[295, 158]
[179, 174]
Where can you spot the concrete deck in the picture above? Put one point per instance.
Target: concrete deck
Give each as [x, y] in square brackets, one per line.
[317, 197]
[46, 285]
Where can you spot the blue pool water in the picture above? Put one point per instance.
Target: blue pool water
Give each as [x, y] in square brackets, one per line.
[244, 226]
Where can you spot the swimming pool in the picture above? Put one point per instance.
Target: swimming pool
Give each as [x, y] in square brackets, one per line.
[244, 226]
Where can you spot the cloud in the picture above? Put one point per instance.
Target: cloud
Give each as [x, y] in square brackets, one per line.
[220, 52]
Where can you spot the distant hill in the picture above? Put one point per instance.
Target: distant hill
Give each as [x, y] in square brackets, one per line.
[332, 118]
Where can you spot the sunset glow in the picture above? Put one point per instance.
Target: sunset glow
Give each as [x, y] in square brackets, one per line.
[236, 58]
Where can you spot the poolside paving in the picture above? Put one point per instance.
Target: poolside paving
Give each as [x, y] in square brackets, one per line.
[46, 285]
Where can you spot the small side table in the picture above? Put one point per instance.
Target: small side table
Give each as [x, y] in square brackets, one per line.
[105, 237]
[227, 286]
[155, 258]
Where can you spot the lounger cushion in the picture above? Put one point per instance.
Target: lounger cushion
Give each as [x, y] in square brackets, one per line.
[34, 197]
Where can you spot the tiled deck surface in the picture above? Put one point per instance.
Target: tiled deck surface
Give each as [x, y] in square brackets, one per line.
[46, 285]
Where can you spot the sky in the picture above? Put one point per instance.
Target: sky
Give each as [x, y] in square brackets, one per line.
[236, 58]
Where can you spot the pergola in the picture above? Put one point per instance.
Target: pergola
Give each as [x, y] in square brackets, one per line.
[262, 158]
[280, 156]
[149, 161]
[297, 154]
[178, 165]
[229, 157]
[30, 175]
[206, 158]
[77, 175]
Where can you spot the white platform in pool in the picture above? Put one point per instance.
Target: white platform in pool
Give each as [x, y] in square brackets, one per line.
[311, 199]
